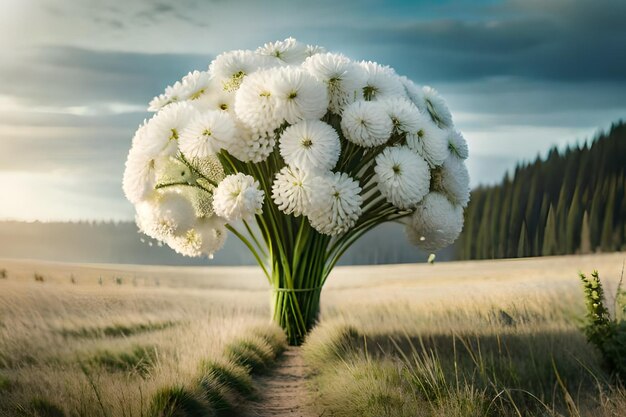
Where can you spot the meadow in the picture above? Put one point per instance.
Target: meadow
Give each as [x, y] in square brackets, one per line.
[476, 338]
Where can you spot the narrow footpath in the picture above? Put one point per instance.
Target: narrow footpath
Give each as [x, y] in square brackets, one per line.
[283, 391]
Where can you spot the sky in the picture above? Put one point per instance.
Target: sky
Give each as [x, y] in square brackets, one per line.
[520, 77]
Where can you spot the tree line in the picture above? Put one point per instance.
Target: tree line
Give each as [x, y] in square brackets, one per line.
[572, 201]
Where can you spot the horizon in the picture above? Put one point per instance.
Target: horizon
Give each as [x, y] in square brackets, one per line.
[520, 77]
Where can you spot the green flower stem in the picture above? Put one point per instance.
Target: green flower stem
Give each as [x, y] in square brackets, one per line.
[256, 241]
[251, 248]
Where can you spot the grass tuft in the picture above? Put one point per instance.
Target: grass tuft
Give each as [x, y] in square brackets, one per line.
[140, 360]
[217, 395]
[179, 402]
[233, 376]
[40, 407]
[252, 352]
[117, 330]
[329, 343]
[5, 383]
[274, 336]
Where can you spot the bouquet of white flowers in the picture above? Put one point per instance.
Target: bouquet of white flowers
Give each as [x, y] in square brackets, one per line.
[298, 152]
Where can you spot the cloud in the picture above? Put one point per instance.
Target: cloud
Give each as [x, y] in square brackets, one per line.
[94, 146]
[57, 196]
[69, 76]
[569, 41]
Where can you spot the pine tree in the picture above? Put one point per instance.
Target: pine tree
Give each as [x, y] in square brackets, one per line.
[606, 241]
[515, 218]
[572, 230]
[561, 218]
[585, 235]
[541, 224]
[595, 217]
[550, 242]
[522, 243]
[505, 214]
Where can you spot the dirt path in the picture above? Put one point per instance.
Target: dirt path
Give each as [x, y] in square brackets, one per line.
[283, 391]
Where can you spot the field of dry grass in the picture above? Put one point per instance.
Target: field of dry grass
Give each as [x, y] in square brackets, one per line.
[91, 349]
[103, 339]
[487, 338]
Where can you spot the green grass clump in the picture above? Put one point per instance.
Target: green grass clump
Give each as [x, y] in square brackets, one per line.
[117, 330]
[140, 360]
[252, 352]
[5, 383]
[367, 388]
[274, 336]
[179, 402]
[329, 343]
[235, 377]
[40, 407]
[218, 395]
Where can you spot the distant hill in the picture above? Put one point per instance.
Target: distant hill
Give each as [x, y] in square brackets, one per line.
[121, 243]
[570, 202]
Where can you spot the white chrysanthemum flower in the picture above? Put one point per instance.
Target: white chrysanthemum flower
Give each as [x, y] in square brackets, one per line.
[188, 244]
[366, 123]
[415, 93]
[140, 174]
[458, 144]
[314, 50]
[381, 82]
[172, 94]
[168, 214]
[238, 197]
[437, 108]
[403, 177]
[335, 203]
[212, 234]
[140, 137]
[230, 68]
[310, 145]
[251, 147]
[140, 169]
[164, 128]
[403, 113]
[195, 85]
[207, 134]
[452, 179]
[343, 78]
[255, 105]
[291, 191]
[297, 94]
[216, 99]
[175, 92]
[289, 51]
[429, 141]
[435, 223]
[158, 102]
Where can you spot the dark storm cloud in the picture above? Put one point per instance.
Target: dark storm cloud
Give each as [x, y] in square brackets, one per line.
[67, 76]
[578, 41]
